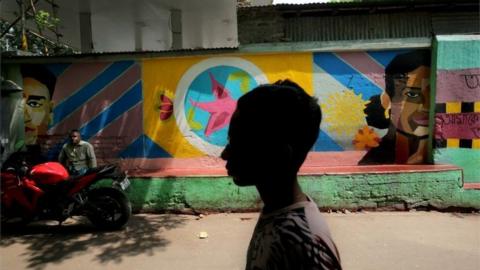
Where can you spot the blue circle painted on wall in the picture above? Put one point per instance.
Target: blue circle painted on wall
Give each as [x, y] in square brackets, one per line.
[206, 97]
[211, 99]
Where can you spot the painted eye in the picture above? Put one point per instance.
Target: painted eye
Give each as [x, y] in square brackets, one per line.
[34, 104]
[412, 94]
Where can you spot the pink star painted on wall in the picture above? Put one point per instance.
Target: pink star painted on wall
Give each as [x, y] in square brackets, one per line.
[220, 110]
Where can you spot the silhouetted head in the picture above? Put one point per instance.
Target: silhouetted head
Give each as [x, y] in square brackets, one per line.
[272, 130]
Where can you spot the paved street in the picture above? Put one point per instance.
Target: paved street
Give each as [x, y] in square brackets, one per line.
[375, 240]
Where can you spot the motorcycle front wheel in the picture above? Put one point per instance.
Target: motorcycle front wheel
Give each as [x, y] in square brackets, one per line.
[108, 208]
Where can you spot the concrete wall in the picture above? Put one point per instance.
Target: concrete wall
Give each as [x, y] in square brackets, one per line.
[390, 191]
[157, 116]
[209, 25]
[457, 117]
[258, 26]
[127, 25]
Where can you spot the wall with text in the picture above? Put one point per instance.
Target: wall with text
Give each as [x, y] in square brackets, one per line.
[457, 112]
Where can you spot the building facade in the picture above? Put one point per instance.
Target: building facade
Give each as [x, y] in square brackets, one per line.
[164, 116]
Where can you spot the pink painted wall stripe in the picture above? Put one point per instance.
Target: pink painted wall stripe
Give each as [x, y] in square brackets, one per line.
[115, 137]
[209, 166]
[457, 126]
[98, 103]
[314, 159]
[458, 85]
[471, 186]
[366, 65]
[74, 77]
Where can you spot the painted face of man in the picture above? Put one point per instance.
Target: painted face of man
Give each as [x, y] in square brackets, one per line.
[411, 102]
[37, 111]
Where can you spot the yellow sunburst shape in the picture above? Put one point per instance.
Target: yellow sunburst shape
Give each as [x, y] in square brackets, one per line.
[343, 113]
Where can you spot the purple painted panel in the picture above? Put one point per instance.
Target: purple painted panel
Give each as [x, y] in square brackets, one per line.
[458, 85]
[457, 125]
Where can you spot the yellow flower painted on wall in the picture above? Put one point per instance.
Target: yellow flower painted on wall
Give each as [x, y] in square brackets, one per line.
[343, 113]
[365, 139]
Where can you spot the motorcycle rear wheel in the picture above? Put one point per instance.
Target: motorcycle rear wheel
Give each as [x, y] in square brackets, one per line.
[109, 208]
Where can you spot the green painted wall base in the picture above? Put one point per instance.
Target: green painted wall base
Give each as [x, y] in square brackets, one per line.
[441, 189]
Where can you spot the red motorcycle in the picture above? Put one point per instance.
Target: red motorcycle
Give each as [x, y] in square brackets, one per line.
[47, 192]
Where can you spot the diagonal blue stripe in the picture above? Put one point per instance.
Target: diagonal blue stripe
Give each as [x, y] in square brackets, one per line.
[346, 75]
[325, 144]
[385, 57]
[76, 100]
[135, 149]
[123, 104]
[144, 147]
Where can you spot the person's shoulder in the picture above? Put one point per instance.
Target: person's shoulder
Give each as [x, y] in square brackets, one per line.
[286, 238]
[301, 243]
[290, 222]
[65, 145]
[82, 142]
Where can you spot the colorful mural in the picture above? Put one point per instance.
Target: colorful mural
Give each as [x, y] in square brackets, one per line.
[158, 112]
[103, 100]
[38, 86]
[405, 102]
[374, 101]
[205, 91]
[457, 110]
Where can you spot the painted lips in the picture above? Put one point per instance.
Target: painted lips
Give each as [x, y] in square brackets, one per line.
[421, 119]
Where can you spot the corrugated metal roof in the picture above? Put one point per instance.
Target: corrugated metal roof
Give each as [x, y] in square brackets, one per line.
[132, 54]
[370, 6]
[357, 21]
[450, 23]
[357, 27]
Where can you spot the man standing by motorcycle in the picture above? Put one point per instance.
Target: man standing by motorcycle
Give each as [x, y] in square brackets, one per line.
[77, 155]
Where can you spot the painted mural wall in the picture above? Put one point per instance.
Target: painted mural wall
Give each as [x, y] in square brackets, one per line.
[173, 113]
[103, 100]
[457, 112]
[376, 101]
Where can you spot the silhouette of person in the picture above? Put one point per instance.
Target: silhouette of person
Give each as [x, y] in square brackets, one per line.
[270, 134]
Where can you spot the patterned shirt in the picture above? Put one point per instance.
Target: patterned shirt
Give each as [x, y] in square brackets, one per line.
[295, 237]
[78, 156]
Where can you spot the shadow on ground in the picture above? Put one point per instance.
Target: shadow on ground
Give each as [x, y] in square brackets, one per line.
[47, 244]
